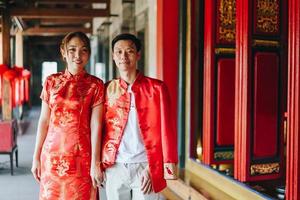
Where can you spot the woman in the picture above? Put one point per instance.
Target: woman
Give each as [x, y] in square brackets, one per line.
[67, 151]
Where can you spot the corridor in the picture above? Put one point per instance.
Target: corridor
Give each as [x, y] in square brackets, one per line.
[232, 68]
[21, 186]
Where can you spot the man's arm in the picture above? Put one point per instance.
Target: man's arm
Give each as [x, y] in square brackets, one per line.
[168, 134]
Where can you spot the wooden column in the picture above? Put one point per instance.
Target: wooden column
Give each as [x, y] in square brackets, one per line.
[167, 47]
[208, 114]
[19, 49]
[1, 48]
[5, 58]
[194, 76]
[260, 89]
[242, 88]
[159, 41]
[5, 36]
[293, 139]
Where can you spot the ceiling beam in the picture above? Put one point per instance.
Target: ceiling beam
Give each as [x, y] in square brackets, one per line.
[63, 21]
[38, 13]
[20, 23]
[42, 31]
[5, 46]
[70, 1]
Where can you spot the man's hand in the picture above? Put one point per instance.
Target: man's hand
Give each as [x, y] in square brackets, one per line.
[146, 185]
[96, 175]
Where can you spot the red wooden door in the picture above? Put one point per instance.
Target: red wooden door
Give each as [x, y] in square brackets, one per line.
[219, 81]
[260, 98]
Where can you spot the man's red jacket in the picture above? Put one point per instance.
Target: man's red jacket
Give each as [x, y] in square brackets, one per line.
[155, 121]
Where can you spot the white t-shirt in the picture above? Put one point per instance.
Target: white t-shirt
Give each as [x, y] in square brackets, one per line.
[132, 149]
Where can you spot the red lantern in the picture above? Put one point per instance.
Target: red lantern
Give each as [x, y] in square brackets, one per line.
[22, 85]
[26, 76]
[19, 86]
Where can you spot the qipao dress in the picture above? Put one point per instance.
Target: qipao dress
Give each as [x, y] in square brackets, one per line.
[66, 152]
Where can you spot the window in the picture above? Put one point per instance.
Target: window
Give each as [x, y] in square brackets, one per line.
[100, 71]
[48, 68]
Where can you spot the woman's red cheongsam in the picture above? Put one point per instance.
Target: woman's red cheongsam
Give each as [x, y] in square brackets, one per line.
[66, 153]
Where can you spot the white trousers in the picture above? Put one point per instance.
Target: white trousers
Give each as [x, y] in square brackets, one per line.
[123, 182]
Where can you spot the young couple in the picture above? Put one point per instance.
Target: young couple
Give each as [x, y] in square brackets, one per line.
[122, 132]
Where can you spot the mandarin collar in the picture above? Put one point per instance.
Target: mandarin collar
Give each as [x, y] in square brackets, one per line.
[76, 76]
[124, 85]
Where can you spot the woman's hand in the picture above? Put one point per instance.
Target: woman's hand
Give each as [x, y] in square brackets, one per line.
[36, 169]
[96, 174]
[146, 185]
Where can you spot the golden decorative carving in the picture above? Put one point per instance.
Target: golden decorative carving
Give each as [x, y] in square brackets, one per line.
[266, 43]
[227, 19]
[267, 16]
[225, 50]
[223, 155]
[260, 169]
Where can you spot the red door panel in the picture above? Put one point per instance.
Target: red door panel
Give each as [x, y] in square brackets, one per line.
[266, 85]
[225, 102]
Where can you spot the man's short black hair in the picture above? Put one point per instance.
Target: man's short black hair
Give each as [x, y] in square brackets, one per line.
[127, 36]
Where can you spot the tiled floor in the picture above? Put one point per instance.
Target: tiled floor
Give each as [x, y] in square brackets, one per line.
[21, 186]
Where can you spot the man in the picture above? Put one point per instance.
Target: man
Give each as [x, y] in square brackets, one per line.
[139, 150]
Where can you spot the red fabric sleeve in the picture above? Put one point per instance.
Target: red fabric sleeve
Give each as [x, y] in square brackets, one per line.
[45, 94]
[99, 94]
[168, 134]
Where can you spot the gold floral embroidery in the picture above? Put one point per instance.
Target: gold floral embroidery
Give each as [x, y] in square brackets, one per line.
[48, 166]
[46, 191]
[120, 113]
[115, 121]
[62, 167]
[83, 90]
[114, 91]
[64, 117]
